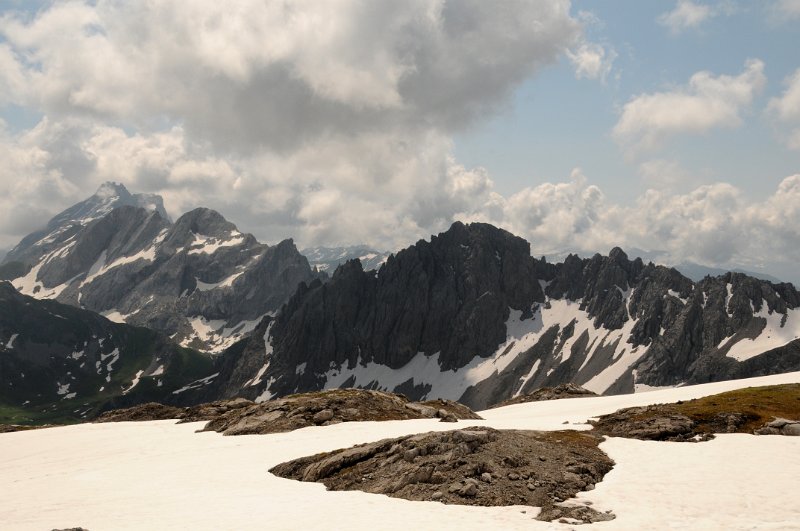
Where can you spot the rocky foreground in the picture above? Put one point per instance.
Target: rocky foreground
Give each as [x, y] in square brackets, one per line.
[759, 410]
[472, 466]
[244, 417]
[567, 390]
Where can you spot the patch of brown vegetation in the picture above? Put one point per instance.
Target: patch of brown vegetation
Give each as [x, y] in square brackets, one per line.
[473, 466]
[567, 390]
[739, 411]
[244, 417]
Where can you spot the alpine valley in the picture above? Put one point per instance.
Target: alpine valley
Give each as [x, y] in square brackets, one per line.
[113, 304]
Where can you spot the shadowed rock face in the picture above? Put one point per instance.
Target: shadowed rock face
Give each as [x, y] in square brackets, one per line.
[199, 280]
[59, 363]
[451, 295]
[473, 293]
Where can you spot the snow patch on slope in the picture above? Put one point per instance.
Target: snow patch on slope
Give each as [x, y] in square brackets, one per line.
[224, 283]
[196, 384]
[148, 255]
[134, 383]
[776, 333]
[10, 343]
[217, 333]
[268, 349]
[209, 244]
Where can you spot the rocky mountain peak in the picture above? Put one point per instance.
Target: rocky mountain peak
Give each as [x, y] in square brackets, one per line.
[199, 280]
[205, 221]
[65, 225]
[110, 189]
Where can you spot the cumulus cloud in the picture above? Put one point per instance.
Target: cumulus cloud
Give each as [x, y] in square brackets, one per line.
[686, 15]
[786, 108]
[553, 216]
[366, 188]
[715, 224]
[277, 75]
[30, 185]
[378, 200]
[329, 122]
[333, 124]
[592, 61]
[706, 102]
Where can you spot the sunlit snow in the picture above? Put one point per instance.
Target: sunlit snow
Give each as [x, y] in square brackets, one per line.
[92, 475]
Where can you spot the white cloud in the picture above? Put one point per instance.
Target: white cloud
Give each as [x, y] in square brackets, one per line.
[380, 201]
[277, 75]
[553, 216]
[716, 224]
[788, 8]
[345, 137]
[686, 15]
[786, 108]
[327, 121]
[707, 102]
[592, 61]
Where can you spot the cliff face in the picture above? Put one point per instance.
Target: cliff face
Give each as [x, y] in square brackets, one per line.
[471, 316]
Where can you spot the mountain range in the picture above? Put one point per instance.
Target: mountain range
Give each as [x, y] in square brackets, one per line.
[468, 315]
[199, 279]
[471, 316]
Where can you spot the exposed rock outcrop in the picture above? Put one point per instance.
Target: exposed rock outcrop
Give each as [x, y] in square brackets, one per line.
[759, 410]
[567, 390]
[468, 315]
[472, 466]
[243, 417]
[780, 426]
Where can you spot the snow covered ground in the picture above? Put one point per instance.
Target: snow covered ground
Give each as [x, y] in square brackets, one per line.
[160, 475]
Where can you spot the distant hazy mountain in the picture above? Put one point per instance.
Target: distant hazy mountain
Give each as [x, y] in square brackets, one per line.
[199, 280]
[329, 258]
[697, 272]
[693, 270]
[472, 316]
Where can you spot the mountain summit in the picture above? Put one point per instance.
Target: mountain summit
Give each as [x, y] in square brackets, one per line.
[199, 280]
[66, 224]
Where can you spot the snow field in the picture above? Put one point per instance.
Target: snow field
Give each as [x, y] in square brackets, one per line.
[161, 475]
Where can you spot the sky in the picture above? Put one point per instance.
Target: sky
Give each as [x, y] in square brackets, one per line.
[670, 128]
